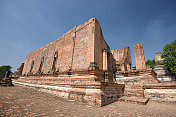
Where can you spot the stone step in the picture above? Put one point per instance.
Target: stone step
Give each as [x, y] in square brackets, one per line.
[133, 95]
[164, 100]
[137, 100]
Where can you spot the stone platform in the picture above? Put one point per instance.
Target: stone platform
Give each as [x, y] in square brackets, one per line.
[82, 88]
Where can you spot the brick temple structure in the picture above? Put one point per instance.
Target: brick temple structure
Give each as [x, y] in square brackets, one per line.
[81, 66]
[75, 66]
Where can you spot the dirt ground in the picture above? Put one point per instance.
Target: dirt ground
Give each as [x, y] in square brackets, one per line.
[25, 102]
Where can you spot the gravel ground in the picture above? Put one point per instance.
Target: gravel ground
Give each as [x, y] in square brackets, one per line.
[25, 102]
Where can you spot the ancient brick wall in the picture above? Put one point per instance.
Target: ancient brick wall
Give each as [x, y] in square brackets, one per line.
[100, 45]
[123, 58]
[139, 57]
[73, 51]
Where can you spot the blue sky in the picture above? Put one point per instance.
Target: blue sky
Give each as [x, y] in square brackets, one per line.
[27, 25]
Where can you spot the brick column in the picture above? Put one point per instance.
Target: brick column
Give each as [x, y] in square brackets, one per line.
[139, 57]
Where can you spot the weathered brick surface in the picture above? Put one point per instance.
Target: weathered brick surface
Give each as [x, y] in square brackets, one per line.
[19, 71]
[139, 57]
[100, 45]
[123, 58]
[75, 51]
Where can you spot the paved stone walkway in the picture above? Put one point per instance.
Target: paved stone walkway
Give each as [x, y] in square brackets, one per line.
[24, 102]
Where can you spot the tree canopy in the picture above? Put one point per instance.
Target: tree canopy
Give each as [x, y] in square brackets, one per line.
[5, 70]
[150, 63]
[169, 56]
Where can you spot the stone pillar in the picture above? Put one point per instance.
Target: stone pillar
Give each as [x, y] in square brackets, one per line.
[105, 61]
[139, 57]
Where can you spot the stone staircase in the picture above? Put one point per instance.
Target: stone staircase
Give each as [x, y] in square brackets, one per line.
[134, 94]
[134, 87]
[136, 100]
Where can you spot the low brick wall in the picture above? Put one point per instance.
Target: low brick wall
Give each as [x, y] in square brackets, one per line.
[80, 88]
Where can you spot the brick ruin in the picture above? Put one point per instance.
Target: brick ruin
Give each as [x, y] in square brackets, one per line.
[75, 66]
[139, 57]
[19, 71]
[123, 59]
[80, 66]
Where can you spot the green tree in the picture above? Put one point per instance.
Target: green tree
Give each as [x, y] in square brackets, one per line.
[150, 63]
[169, 56]
[5, 70]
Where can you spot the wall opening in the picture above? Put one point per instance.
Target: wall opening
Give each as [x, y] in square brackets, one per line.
[32, 65]
[108, 61]
[41, 65]
[55, 61]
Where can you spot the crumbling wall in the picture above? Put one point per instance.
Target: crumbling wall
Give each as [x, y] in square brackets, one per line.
[19, 71]
[123, 58]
